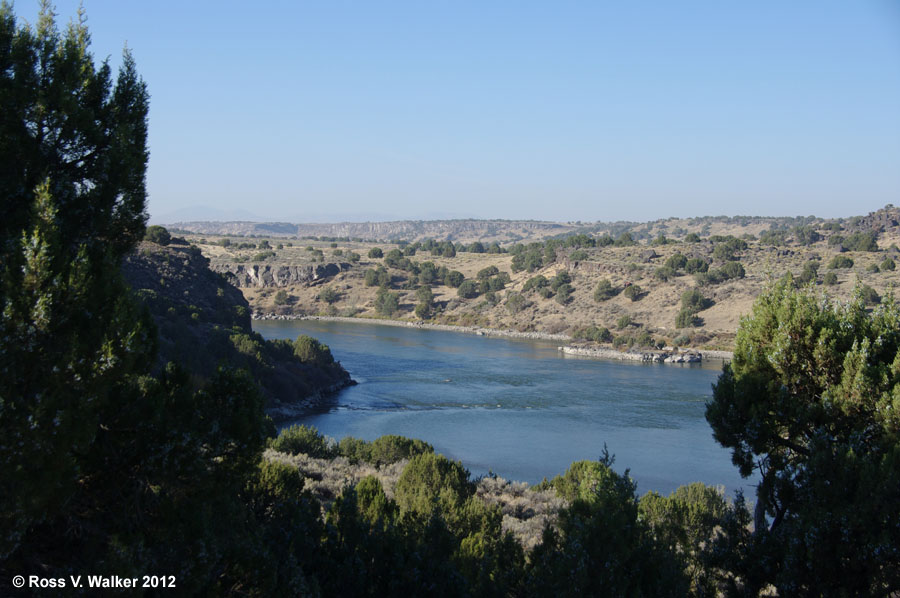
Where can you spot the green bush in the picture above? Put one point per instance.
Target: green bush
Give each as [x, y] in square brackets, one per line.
[868, 294]
[872, 269]
[329, 295]
[861, 241]
[158, 234]
[454, 278]
[623, 322]
[664, 274]
[468, 289]
[263, 255]
[296, 440]
[830, 279]
[310, 350]
[840, 261]
[386, 302]
[604, 291]
[432, 481]
[376, 253]
[888, 265]
[281, 297]
[633, 292]
[677, 261]
[695, 264]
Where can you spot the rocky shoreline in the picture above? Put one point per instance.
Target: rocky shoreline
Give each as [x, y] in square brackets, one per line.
[642, 356]
[685, 356]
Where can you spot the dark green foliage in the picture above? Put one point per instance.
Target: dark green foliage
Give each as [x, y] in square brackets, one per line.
[602, 548]
[562, 278]
[633, 292]
[677, 261]
[546, 292]
[774, 237]
[301, 439]
[861, 241]
[309, 350]
[728, 271]
[840, 261]
[383, 450]
[623, 322]
[535, 282]
[604, 291]
[564, 294]
[468, 289]
[687, 319]
[664, 273]
[386, 302]
[376, 253]
[515, 303]
[625, 240]
[281, 297]
[872, 269]
[486, 273]
[868, 295]
[263, 255]
[810, 272]
[693, 300]
[378, 277]
[660, 240]
[888, 265]
[430, 482]
[578, 256]
[806, 235]
[692, 238]
[329, 295]
[593, 333]
[830, 279]
[157, 234]
[696, 264]
[454, 278]
[806, 401]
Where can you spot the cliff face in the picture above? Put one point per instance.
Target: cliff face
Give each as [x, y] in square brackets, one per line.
[262, 275]
[204, 322]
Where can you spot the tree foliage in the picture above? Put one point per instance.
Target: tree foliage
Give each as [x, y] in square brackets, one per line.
[810, 403]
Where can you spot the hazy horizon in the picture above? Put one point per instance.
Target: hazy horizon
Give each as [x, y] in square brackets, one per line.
[565, 111]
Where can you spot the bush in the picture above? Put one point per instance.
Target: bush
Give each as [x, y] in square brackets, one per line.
[486, 273]
[310, 350]
[593, 333]
[376, 253]
[604, 291]
[676, 261]
[296, 440]
[468, 289]
[695, 264]
[693, 300]
[623, 322]
[386, 302]
[263, 255]
[692, 238]
[872, 269]
[633, 292]
[888, 265]
[564, 294]
[830, 279]
[159, 235]
[868, 294]
[664, 273]
[840, 261]
[432, 481]
[687, 319]
[515, 303]
[329, 295]
[281, 297]
[861, 241]
[454, 278]
[536, 282]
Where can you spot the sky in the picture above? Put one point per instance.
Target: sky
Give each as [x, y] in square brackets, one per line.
[565, 111]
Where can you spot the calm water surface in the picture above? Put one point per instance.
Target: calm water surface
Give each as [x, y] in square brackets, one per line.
[520, 408]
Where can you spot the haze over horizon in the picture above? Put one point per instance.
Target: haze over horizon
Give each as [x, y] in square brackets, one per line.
[563, 112]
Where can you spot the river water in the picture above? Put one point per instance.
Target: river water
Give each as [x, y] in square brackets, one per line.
[519, 408]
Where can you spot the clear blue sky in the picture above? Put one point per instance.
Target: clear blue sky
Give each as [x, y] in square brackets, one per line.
[544, 110]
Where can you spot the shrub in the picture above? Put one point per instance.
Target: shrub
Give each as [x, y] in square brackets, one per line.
[536, 282]
[888, 265]
[301, 439]
[515, 303]
[454, 278]
[468, 289]
[604, 291]
[623, 322]
[695, 264]
[664, 273]
[578, 255]
[386, 302]
[861, 241]
[810, 272]
[432, 481]
[564, 294]
[310, 350]
[840, 261]
[687, 319]
[692, 238]
[868, 294]
[281, 297]
[329, 295]
[376, 253]
[593, 333]
[159, 235]
[263, 255]
[830, 279]
[486, 273]
[677, 261]
[872, 269]
[633, 292]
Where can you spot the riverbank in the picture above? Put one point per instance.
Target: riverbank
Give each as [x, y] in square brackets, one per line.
[596, 352]
[477, 330]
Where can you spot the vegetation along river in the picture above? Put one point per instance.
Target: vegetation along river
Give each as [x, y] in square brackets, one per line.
[520, 408]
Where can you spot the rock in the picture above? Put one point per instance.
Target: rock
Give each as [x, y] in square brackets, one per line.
[265, 275]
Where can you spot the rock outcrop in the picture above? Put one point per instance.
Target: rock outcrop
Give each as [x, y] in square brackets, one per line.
[266, 275]
[204, 322]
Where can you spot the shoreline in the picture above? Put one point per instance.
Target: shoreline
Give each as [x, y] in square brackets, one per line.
[598, 352]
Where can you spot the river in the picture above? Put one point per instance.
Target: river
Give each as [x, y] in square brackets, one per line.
[519, 408]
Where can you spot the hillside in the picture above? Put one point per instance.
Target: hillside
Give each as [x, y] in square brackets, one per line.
[204, 322]
[726, 260]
